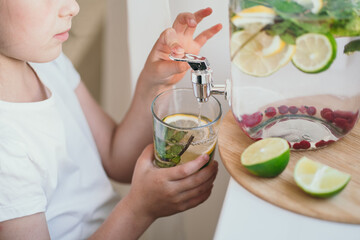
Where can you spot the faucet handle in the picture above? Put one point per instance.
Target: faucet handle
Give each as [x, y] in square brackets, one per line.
[197, 63]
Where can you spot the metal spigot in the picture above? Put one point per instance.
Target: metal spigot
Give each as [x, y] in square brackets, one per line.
[201, 77]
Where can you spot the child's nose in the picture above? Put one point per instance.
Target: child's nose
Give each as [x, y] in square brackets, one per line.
[69, 8]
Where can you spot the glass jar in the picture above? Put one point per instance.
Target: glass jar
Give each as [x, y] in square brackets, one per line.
[295, 69]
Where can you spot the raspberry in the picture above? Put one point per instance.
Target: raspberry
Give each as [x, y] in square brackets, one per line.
[344, 114]
[270, 112]
[341, 123]
[296, 146]
[293, 109]
[302, 109]
[252, 120]
[320, 143]
[283, 109]
[311, 111]
[323, 143]
[305, 144]
[302, 145]
[327, 114]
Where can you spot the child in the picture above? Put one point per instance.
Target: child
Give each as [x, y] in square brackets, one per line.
[57, 147]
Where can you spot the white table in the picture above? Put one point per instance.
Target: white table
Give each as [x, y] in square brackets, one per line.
[245, 216]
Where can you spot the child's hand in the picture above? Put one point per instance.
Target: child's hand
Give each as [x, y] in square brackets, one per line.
[158, 192]
[159, 70]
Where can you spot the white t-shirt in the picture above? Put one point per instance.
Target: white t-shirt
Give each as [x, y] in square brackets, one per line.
[49, 161]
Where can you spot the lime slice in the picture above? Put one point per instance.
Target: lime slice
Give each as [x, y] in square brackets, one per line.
[259, 55]
[315, 6]
[314, 52]
[267, 157]
[319, 180]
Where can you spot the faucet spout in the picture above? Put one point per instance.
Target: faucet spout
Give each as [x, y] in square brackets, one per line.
[201, 77]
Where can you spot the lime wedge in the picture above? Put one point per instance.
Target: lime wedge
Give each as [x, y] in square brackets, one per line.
[314, 52]
[267, 157]
[319, 180]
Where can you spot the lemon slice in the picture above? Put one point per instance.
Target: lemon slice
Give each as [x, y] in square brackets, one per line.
[257, 14]
[259, 56]
[184, 120]
[315, 6]
[272, 45]
[188, 121]
[319, 180]
[267, 157]
[314, 52]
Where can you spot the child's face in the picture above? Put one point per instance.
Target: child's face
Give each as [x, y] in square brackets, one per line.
[34, 30]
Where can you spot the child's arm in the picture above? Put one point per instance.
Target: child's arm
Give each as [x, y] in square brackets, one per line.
[31, 227]
[120, 145]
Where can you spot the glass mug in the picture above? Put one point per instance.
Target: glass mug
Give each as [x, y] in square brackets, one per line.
[184, 128]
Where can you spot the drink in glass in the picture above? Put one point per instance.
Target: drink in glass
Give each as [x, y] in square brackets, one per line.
[184, 128]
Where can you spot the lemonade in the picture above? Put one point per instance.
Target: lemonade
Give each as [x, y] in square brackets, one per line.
[185, 142]
[295, 69]
[184, 129]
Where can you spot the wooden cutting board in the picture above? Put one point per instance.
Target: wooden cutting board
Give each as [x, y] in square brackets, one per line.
[282, 191]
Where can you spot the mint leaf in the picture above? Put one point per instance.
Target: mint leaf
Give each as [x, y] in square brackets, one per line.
[174, 150]
[314, 26]
[346, 27]
[287, 9]
[343, 9]
[287, 30]
[252, 3]
[176, 159]
[288, 38]
[279, 27]
[174, 136]
[178, 136]
[352, 46]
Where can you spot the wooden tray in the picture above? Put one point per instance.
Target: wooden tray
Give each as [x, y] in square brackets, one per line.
[282, 191]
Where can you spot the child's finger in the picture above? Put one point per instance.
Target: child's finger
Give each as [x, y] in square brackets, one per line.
[184, 170]
[183, 21]
[199, 178]
[198, 190]
[199, 16]
[207, 34]
[193, 202]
